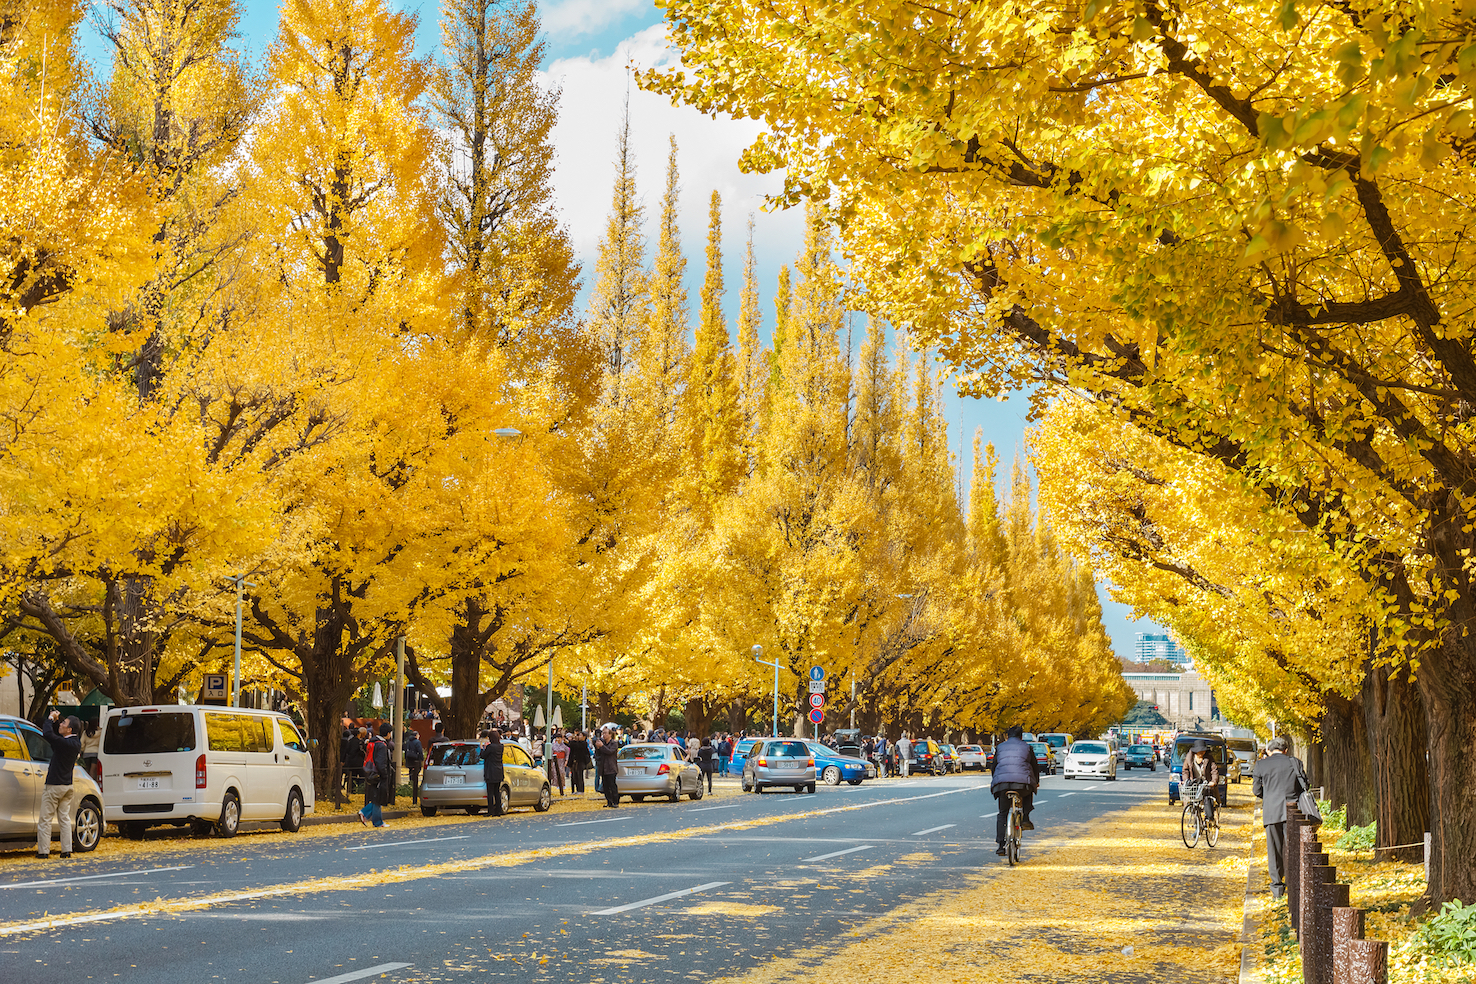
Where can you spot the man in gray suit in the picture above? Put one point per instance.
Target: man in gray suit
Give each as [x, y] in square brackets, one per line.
[1279, 779]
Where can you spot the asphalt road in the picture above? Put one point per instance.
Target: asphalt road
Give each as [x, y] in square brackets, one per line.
[694, 890]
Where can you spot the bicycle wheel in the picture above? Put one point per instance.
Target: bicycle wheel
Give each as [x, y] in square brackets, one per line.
[1012, 841]
[1189, 825]
[1212, 829]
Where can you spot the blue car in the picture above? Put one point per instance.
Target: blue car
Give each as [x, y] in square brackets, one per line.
[1181, 746]
[832, 767]
[1142, 756]
[740, 755]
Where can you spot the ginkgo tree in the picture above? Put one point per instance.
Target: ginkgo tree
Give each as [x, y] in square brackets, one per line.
[1242, 223]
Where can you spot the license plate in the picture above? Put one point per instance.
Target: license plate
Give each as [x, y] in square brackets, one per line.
[150, 784]
[635, 771]
[454, 781]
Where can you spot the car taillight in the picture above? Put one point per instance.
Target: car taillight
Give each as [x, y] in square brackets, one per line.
[811, 763]
[764, 763]
[200, 772]
[664, 770]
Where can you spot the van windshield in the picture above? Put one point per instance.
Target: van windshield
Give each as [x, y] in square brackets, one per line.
[150, 734]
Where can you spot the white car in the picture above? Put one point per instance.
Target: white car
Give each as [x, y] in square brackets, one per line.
[208, 767]
[972, 757]
[1090, 759]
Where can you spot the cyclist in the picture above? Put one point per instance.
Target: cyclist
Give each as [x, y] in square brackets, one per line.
[1015, 771]
[1200, 766]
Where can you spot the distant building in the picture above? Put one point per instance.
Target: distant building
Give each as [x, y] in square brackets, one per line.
[1186, 699]
[1160, 645]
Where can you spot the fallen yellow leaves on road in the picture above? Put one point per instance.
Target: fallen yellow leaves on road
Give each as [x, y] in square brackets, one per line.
[1121, 901]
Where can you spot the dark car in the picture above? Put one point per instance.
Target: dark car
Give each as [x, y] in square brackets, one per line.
[1142, 756]
[928, 757]
[1180, 749]
[1045, 758]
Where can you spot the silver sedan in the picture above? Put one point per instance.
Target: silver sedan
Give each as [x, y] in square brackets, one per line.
[657, 769]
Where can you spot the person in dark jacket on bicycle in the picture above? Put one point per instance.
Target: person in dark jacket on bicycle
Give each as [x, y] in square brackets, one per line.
[1015, 771]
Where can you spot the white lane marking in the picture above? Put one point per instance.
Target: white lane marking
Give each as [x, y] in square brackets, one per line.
[988, 816]
[726, 806]
[933, 830]
[660, 898]
[359, 975]
[423, 840]
[581, 823]
[836, 854]
[1072, 793]
[83, 878]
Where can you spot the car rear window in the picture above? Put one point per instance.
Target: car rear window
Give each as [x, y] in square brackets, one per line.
[1141, 749]
[644, 752]
[456, 755]
[788, 749]
[746, 746]
[969, 748]
[149, 734]
[1039, 746]
[1089, 748]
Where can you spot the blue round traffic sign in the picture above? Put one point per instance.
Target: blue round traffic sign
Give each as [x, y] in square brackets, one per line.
[816, 716]
[817, 673]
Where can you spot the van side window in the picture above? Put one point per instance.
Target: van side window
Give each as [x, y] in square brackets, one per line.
[258, 732]
[290, 738]
[10, 745]
[224, 733]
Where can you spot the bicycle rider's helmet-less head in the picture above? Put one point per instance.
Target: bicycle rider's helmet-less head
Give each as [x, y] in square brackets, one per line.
[1015, 732]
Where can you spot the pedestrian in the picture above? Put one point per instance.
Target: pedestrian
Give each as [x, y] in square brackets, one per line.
[904, 755]
[1279, 779]
[351, 759]
[707, 760]
[692, 746]
[724, 755]
[58, 797]
[91, 741]
[376, 778]
[438, 732]
[607, 750]
[556, 760]
[414, 762]
[579, 761]
[538, 751]
[492, 770]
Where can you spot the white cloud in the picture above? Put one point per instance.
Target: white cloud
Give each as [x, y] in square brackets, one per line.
[594, 91]
[576, 18]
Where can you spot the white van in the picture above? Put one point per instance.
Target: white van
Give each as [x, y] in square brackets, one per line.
[210, 767]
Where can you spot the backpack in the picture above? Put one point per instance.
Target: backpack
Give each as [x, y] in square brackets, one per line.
[371, 768]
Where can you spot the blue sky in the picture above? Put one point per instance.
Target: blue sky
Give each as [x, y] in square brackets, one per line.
[590, 43]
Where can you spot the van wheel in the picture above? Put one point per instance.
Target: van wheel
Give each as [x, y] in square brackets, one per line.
[230, 815]
[428, 811]
[88, 827]
[133, 829]
[545, 799]
[292, 819]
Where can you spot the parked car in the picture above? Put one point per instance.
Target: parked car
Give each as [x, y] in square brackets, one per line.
[454, 779]
[927, 757]
[1090, 759]
[26, 757]
[1245, 751]
[1141, 756]
[832, 767]
[741, 749]
[848, 742]
[205, 766]
[950, 758]
[1045, 758]
[779, 762]
[972, 757]
[1185, 741]
[657, 769]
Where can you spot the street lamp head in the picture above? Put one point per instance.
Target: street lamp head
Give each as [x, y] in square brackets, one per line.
[507, 432]
[758, 650]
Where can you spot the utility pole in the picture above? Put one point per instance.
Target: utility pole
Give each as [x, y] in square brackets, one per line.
[757, 652]
[241, 585]
[399, 708]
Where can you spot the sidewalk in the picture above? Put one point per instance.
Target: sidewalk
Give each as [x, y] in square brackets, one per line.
[1119, 900]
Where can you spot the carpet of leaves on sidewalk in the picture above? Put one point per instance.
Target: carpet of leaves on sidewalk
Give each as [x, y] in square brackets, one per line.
[1121, 900]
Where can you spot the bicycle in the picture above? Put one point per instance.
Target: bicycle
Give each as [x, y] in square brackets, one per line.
[1195, 820]
[1013, 830]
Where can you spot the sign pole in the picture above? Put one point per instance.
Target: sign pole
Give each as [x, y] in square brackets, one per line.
[399, 708]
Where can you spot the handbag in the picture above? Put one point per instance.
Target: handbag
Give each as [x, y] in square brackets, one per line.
[1307, 803]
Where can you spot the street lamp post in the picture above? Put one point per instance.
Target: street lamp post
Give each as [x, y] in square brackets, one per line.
[241, 585]
[757, 652]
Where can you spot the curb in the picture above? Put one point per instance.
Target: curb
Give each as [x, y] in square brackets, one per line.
[1248, 934]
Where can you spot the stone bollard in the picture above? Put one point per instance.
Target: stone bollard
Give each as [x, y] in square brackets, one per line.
[1291, 871]
[1368, 962]
[1309, 853]
[1347, 927]
[1327, 896]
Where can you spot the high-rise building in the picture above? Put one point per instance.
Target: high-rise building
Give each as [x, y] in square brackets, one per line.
[1160, 645]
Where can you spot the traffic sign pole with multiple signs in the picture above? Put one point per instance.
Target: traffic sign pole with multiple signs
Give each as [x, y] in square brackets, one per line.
[817, 697]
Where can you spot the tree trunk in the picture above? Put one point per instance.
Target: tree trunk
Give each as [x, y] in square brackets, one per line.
[1447, 683]
[699, 718]
[737, 716]
[1395, 716]
[466, 669]
[1347, 762]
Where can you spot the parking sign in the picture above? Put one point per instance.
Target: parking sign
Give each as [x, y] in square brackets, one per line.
[816, 716]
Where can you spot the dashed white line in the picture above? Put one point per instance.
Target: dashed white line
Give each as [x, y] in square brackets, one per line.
[836, 854]
[933, 830]
[423, 840]
[359, 975]
[83, 878]
[660, 898]
[581, 823]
